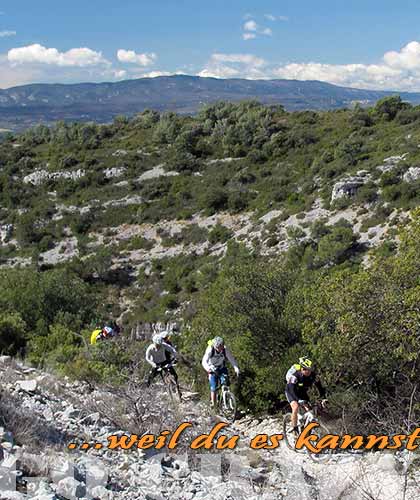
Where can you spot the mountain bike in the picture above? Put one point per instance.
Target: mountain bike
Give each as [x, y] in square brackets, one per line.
[307, 414]
[226, 401]
[169, 381]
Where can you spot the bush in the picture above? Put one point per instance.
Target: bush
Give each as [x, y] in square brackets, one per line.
[13, 330]
[367, 193]
[219, 234]
[214, 200]
[245, 305]
[140, 243]
[194, 234]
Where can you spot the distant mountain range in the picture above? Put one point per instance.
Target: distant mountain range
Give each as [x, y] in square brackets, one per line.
[27, 105]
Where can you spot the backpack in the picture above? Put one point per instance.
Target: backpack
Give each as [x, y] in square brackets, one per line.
[213, 350]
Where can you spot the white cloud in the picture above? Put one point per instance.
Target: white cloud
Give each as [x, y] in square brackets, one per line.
[248, 59]
[408, 58]
[267, 32]
[250, 26]
[120, 74]
[270, 17]
[130, 57]
[233, 65]
[12, 76]
[399, 70]
[356, 75]
[6, 33]
[219, 72]
[154, 74]
[252, 29]
[37, 54]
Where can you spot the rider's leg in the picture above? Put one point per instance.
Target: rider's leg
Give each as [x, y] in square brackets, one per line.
[173, 372]
[295, 408]
[175, 375]
[152, 374]
[294, 405]
[213, 385]
[224, 376]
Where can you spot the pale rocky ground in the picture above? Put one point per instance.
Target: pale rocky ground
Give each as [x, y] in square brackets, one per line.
[69, 412]
[245, 227]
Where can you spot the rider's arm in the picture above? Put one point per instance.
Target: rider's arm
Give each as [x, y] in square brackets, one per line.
[231, 359]
[206, 361]
[291, 386]
[149, 356]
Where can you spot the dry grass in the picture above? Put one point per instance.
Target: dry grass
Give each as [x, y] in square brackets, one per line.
[27, 429]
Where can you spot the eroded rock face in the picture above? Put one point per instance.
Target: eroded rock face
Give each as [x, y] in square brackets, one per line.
[40, 176]
[114, 172]
[155, 172]
[391, 162]
[412, 174]
[65, 250]
[6, 231]
[349, 186]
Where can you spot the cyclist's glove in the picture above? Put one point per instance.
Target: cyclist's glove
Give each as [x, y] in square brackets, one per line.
[237, 371]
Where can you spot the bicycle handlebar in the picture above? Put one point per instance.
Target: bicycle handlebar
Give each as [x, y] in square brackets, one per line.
[167, 366]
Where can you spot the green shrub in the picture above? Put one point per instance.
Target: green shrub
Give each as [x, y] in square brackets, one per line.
[140, 243]
[219, 234]
[194, 234]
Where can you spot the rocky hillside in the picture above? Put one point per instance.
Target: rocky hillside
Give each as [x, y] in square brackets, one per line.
[119, 198]
[286, 233]
[27, 105]
[41, 415]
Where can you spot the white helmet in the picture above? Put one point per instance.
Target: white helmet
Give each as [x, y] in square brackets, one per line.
[218, 342]
[157, 339]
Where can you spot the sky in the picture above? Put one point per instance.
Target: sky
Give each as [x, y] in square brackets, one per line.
[372, 44]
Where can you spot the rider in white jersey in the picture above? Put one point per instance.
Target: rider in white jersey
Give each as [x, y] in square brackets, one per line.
[214, 362]
[157, 358]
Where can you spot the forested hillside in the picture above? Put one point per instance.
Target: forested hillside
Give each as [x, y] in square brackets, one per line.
[286, 233]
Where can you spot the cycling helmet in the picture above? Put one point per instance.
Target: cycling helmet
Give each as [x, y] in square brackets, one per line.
[157, 339]
[305, 363]
[218, 342]
[164, 334]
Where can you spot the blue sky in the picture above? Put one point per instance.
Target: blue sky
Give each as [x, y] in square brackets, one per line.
[366, 44]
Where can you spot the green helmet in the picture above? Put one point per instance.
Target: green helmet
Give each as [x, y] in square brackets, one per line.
[306, 363]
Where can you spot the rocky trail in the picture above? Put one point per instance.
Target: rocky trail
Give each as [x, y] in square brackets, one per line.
[42, 414]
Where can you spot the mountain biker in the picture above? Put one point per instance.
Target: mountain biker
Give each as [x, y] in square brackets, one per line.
[107, 332]
[156, 357]
[214, 362]
[96, 336]
[300, 378]
[166, 338]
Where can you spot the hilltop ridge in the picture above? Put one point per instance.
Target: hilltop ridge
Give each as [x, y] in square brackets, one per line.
[26, 105]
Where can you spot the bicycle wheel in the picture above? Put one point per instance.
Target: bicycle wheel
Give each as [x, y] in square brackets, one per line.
[228, 405]
[289, 435]
[172, 387]
[325, 455]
